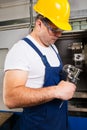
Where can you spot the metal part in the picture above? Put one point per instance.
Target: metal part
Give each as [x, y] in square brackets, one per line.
[31, 15]
[72, 73]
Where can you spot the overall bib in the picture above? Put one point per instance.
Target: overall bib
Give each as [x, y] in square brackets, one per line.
[50, 115]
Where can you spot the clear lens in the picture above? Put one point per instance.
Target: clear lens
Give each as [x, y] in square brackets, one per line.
[54, 30]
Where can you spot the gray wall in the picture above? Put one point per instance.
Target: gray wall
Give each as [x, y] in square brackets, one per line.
[78, 9]
[78, 4]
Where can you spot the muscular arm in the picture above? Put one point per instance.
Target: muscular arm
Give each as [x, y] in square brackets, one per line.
[16, 94]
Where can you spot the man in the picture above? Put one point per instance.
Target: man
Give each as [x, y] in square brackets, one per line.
[32, 78]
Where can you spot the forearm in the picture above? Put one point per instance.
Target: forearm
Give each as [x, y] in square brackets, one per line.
[16, 94]
[23, 96]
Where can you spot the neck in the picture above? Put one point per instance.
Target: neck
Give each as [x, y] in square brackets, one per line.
[37, 38]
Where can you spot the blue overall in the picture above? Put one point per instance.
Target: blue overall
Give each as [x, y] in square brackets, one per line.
[50, 115]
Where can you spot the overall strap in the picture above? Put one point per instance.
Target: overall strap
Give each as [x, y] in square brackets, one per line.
[57, 55]
[43, 57]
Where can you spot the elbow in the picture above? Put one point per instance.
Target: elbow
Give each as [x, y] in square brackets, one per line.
[8, 102]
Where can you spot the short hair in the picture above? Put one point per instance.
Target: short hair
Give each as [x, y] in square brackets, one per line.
[42, 18]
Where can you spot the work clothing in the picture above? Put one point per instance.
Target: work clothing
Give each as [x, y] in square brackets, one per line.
[23, 57]
[47, 116]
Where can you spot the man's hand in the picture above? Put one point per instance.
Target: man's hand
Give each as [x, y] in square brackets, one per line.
[65, 90]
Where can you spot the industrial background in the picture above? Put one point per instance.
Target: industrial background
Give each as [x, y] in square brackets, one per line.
[16, 20]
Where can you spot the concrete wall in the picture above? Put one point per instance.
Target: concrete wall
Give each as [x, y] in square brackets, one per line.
[78, 4]
[14, 10]
[78, 9]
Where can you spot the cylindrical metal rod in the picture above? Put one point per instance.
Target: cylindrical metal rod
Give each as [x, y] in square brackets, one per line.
[31, 14]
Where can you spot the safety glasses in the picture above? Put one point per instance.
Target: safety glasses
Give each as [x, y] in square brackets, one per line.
[49, 27]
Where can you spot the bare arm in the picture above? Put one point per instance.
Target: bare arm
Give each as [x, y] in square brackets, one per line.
[16, 94]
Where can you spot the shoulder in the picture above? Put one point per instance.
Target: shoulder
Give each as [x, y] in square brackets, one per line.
[17, 57]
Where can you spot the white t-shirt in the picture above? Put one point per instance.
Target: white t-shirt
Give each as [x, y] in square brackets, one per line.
[23, 57]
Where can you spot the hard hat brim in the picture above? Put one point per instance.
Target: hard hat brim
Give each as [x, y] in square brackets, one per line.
[62, 25]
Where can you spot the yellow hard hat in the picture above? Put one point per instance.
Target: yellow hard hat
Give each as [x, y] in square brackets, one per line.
[57, 11]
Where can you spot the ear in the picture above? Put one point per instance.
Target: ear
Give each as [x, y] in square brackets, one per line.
[38, 23]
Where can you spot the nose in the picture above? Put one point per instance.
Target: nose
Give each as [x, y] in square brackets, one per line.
[58, 34]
